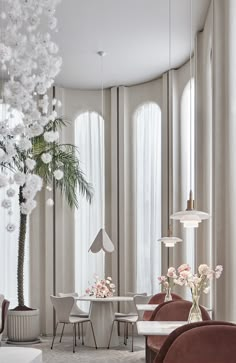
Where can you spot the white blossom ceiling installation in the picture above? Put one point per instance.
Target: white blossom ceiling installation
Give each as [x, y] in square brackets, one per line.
[29, 62]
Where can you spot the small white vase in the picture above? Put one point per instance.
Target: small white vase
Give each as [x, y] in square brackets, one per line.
[23, 327]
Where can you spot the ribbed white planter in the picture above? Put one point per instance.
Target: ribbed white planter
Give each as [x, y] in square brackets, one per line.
[23, 326]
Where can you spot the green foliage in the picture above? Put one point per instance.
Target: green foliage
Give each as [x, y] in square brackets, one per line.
[64, 157]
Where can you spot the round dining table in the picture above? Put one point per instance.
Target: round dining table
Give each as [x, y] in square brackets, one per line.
[102, 314]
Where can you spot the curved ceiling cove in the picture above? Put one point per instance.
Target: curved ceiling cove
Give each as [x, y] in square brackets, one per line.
[133, 33]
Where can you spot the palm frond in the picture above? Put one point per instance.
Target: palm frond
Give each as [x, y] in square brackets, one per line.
[65, 158]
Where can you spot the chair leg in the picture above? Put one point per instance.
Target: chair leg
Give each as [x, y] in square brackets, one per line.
[82, 333]
[111, 334]
[127, 331]
[74, 338]
[125, 334]
[132, 349]
[62, 332]
[55, 333]
[93, 335]
[78, 330]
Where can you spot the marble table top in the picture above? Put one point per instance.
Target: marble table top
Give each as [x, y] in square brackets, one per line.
[158, 327]
[106, 299]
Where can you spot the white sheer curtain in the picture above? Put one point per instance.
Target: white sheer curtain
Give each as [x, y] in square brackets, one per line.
[188, 162]
[147, 126]
[9, 240]
[89, 218]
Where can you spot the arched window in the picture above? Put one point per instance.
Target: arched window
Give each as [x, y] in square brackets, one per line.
[89, 218]
[147, 153]
[188, 160]
[9, 240]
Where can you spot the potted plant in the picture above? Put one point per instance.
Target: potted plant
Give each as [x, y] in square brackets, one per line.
[48, 161]
[30, 149]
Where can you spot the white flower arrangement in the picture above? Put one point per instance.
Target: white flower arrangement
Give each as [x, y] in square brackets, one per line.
[51, 136]
[30, 163]
[20, 178]
[46, 158]
[29, 56]
[58, 174]
[200, 281]
[28, 206]
[168, 280]
[101, 288]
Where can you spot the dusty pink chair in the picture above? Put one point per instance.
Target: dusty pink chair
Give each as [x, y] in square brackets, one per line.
[170, 311]
[205, 342]
[159, 299]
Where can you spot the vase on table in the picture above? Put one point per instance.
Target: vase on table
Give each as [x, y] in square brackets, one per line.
[195, 311]
[168, 296]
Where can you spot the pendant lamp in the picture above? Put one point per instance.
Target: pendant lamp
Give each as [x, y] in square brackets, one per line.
[102, 241]
[169, 241]
[190, 217]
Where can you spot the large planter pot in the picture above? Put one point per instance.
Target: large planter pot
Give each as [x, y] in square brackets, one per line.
[23, 327]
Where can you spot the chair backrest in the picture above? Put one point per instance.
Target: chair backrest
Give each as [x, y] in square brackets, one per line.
[200, 342]
[63, 307]
[171, 311]
[5, 306]
[75, 309]
[141, 299]
[176, 311]
[130, 306]
[1, 299]
[159, 299]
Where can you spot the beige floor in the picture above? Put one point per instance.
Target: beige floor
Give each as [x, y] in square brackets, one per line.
[62, 352]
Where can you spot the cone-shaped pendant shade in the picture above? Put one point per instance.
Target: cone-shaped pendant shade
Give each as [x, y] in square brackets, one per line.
[190, 217]
[102, 242]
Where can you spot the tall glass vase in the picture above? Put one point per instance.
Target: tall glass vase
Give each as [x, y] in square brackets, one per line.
[168, 296]
[195, 311]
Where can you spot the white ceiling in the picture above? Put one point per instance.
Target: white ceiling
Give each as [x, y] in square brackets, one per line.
[134, 33]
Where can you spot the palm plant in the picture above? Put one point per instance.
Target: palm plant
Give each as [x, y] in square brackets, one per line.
[64, 157]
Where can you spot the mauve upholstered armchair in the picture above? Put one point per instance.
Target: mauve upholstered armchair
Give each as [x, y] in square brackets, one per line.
[170, 311]
[202, 342]
[158, 299]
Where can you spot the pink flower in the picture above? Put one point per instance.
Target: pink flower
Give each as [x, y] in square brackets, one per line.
[162, 279]
[218, 271]
[203, 269]
[185, 274]
[184, 267]
[88, 290]
[171, 272]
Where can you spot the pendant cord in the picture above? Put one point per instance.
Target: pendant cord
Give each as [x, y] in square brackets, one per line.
[170, 36]
[191, 75]
[102, 54]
